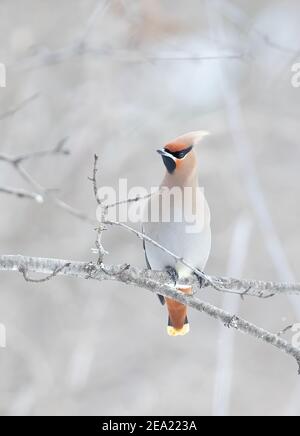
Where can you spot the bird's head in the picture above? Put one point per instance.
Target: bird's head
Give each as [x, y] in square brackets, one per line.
[179, 155]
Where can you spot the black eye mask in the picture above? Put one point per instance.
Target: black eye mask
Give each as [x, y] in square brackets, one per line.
[180, 154]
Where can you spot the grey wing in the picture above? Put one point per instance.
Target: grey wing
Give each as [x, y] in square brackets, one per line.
[160, 297]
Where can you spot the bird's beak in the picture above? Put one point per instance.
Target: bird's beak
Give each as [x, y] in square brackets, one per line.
[163, 152]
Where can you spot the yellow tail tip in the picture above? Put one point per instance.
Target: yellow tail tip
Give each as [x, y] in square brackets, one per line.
[178, 332]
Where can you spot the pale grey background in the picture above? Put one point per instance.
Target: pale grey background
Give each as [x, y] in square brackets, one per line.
[86, 348]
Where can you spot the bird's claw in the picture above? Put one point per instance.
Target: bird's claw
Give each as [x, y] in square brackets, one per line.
[172, 273]
[232, 323]
[201, 280]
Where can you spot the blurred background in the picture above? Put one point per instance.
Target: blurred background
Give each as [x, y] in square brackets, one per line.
[120, 79]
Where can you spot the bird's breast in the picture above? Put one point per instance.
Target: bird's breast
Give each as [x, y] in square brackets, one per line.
[179, 222]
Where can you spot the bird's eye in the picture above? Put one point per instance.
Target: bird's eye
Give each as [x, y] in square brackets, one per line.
[179, 154]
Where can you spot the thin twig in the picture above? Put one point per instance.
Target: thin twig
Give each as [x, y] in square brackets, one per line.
[93, 179]
[241, 23]
[59, 149]
[195, 58]
[55, 272]
[17, 164]
[128, 201]
[285, 330]
[100, 250]
[19, 107]
[21, 193]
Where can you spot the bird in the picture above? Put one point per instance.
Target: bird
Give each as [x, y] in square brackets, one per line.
[177, 216]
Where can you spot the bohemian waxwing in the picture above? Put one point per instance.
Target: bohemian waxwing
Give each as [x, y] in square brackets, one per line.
[177, 216]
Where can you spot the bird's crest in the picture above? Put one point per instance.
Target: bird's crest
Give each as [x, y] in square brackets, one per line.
[187, 140]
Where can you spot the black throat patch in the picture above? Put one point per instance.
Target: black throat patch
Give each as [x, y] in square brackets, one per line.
[169, 164]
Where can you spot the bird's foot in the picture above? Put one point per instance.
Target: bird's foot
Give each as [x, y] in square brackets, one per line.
[232, 322]
[201, 280]
[172, 274]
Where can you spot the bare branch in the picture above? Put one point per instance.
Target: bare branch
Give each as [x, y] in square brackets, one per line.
[101, 227]
[21, 193]
[59, 149]
[93, 179]
[232, 11]
[19, 107]
[100, 8]
[17, 164]
[76, 213]
[17, 160]
[199, 58]
[154, 281]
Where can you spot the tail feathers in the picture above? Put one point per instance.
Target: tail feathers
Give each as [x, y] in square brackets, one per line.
[178, 322]
[172, 331]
